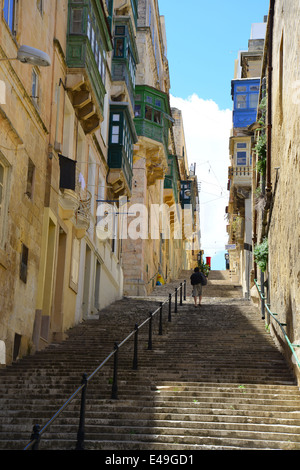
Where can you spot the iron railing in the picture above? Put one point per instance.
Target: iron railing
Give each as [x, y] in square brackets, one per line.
[38, 431]
[281, 325]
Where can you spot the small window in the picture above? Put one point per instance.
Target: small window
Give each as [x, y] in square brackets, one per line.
[148, 113]
[158, 103]
[241, 158]
[157, 117]
[119, 47]
[149, 99]
[137, 110]
[120, 31]
[138, 97]
[241, 145]
[254, 88]
[241, 101]
[115, 134]
[253, 102]
[76, 27]
[24, 264]
[9, 12]
[241, 89]
[30, 179]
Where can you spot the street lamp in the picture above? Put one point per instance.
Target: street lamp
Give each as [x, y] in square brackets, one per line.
[30, 55]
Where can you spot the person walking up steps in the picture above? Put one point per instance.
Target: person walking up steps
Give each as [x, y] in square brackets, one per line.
[198, 279]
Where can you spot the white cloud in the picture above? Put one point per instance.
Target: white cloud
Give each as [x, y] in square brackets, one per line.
[207, 132]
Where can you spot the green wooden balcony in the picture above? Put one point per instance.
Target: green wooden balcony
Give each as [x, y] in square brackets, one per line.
[171, 180]
[88, 40]
[122, 137]
[152, 114]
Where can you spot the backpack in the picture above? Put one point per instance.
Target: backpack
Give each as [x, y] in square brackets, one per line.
[199, 276]
[203, 279]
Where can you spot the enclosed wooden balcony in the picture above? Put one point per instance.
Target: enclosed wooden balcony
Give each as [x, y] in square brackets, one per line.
[88, 41]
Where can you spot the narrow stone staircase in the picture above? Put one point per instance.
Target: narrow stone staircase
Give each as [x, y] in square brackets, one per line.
[213, 380]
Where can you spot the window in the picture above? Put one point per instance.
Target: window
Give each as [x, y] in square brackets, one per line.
[137, 110]
[241, 101]
[148, 113]
[157, 116]
[30, 178]
[76, 21]
[24, 263]
[241, 158]
[119, 47]
[120, 31]
[9, 11]
[253, 100]
[115, 129]
[96, 43]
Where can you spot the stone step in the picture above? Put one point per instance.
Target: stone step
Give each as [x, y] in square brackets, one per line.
[213, 380]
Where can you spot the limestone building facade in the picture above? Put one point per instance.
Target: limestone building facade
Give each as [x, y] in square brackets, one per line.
[277, 221]
[75, 154]
[245, 93]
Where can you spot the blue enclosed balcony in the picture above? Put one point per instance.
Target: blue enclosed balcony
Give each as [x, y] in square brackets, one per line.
[245, 93]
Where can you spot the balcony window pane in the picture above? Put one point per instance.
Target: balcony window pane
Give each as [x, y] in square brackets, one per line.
[253, 100]
[241, 158]
[241, 145]
[120, 30]
[137, 110]
[241, 89]
[119, 47]
[115, 134]
[148, 113]
[76, 27]
[157, 117]
[241, 101]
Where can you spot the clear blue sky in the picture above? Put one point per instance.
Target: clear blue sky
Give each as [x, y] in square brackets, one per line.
[203, 40]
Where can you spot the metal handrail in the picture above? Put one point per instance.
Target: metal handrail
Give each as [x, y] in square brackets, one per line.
[281, 325]
[38, 432]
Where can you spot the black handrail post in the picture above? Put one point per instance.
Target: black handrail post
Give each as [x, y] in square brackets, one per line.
[80, 433]
[170, 308]
[135, 355]
[176, 300]
[35, 436]
[181, 293]
[150, 333]
[184, 292]
[160, 319]
[114, 391]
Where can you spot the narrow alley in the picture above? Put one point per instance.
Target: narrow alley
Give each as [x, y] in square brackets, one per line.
[212, 380]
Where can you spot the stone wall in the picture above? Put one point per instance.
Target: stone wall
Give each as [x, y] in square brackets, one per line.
[284, 232]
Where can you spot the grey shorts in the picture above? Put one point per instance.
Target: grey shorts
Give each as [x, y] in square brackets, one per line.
[197, 290]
